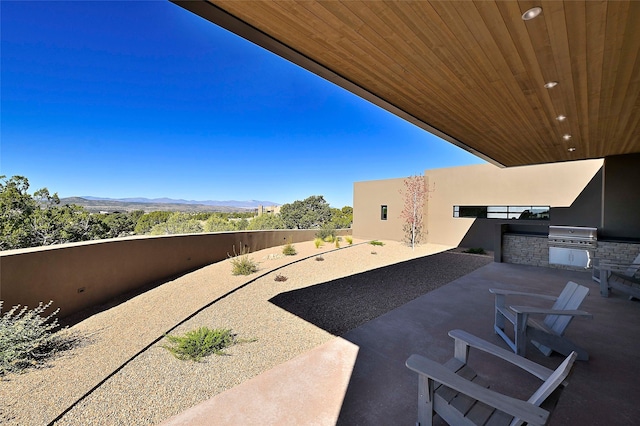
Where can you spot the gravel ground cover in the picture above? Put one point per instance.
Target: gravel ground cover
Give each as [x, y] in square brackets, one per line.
[126, 384]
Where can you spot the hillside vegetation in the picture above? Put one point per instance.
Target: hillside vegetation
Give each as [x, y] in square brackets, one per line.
[97, 206]
[44, 219]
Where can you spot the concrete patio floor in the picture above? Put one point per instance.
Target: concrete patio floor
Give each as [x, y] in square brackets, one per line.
[360, 378]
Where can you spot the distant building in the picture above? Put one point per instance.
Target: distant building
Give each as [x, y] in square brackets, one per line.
[268, 210]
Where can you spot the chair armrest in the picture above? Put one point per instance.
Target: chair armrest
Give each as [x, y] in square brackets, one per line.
[531, 367]
[617, 266]
[532, 310]
[521, 293]
[624, 276]
[605, 263]
[514, 407]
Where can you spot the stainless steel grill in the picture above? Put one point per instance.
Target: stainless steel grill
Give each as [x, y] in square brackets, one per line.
[572, 245]
[573, 236]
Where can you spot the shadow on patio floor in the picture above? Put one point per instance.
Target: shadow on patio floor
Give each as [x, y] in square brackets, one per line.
[341, 305]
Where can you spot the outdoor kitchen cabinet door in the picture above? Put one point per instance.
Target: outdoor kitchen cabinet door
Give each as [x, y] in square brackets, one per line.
[569, 257]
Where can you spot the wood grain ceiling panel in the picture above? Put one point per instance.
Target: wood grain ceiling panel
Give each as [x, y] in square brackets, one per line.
[470, 72]
[625, 85]
[575, 13]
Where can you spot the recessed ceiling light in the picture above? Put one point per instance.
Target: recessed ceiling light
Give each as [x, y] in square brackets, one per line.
[550, 84]
[566, 137]
[531, 13]
[561, 117]
[571, 149]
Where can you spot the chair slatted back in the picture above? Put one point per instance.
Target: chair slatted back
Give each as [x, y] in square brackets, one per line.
[570, 299]
[633, 268]
[551, 384]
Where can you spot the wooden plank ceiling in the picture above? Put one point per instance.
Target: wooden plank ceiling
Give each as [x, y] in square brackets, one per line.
[470, 72]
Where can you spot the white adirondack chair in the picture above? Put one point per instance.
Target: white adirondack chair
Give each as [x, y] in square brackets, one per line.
[459, 396]
[547, 335]
[619, 276]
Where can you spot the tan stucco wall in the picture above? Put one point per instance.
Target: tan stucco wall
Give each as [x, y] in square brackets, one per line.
[368, 197]
[81, 275]
[555, 185]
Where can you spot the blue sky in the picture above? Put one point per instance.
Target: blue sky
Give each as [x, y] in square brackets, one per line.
[145, 99]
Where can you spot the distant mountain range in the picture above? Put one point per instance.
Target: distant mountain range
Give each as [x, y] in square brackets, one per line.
[230, 203]
[98, 204]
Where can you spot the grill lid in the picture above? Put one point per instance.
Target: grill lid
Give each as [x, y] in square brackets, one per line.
[578, 233]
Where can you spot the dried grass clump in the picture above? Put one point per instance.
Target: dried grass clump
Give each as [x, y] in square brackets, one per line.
[289, 250]
[242, 264]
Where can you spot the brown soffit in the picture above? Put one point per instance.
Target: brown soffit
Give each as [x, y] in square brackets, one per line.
[472, 73]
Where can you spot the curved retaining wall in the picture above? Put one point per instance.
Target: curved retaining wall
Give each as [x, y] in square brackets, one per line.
[80, 275]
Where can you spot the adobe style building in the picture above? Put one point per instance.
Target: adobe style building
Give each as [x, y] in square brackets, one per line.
[509, 210]
[268, 210]
[465, 203]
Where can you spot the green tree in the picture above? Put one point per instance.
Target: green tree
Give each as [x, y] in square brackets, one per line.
[40, 220]
[266, 221]
[240, 223]
[313, 212]
[178, 223]
[50, 223]
[217, 223]
[136, 215]
[63, 224]
[342, 218]
[224, 222]
[203, 215]
[16, 210]
[149, 220]
[118, 224]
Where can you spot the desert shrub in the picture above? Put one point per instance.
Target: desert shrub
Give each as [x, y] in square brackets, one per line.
[478, 250]
[280, 278]
[376, 243]
[319, 258]
[242, 264]
[349, 239]
[289, 250]
[326, 233]
[27, 338]
[196, 344]
[318, 242]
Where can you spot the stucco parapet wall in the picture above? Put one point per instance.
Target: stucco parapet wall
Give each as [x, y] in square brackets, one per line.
[77, 276]
[84, 243]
